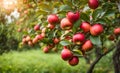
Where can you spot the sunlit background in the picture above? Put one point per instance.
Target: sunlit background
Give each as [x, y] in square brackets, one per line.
[10, 7]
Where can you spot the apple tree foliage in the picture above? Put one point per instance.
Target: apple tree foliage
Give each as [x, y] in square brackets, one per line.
[58, 24]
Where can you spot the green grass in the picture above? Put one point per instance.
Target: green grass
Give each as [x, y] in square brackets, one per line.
[35, 61]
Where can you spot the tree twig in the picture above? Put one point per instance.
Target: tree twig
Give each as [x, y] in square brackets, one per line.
[90, 70]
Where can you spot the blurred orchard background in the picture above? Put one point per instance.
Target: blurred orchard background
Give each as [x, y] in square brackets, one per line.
[33, 34]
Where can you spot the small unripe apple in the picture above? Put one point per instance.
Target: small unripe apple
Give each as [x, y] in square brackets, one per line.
[87, 45]
[117, 31]
[66, 54]
[96, 29]
[56, 40]
[53, 19]
[65, 24]
[36, 27]
[73, 61]
[51, 26]
[73, 17]
[111, 37]
[46, 49]
[93, 4]
[85, 26]
[78, 38]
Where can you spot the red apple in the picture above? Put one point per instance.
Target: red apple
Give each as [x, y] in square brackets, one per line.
[39, 37]
[73, 17]
[56, 40]
[68, 37]
[43, 30]
[36, 27]
[117, 31]
[93, 4]
[51, 26]
[46, 49]
[24, 41]
[43, 35]
[30, 43]
[66, 54]
[35, 40]
[85, 26]
[87, 46]
[28, 38]
[78, 38]
[65, 24]
[73, 61]
[53, 19]
[96, 29]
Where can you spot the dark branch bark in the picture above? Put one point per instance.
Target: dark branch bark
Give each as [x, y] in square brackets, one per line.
[116, 59]
[93, 64]
[90, 70]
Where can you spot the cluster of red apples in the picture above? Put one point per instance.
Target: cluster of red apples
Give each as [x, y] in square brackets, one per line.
[79, 38]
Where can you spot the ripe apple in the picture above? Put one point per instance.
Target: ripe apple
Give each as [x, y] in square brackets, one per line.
[66, 54]
[73, 61]
[24, 41]
[28, 38]
[78, 38]
[65, 24]
[96, 29]
[30, 43]
[93, 4]
[43, 35]
[87, 45]
[85, 26]
[51, 26]
[39, 37]
[56, 40]
[117, 31]
[36, 27]
[35, 40]
[73, 17]
[68, 37]
[43, 30]
[46, 49]
[53, 19]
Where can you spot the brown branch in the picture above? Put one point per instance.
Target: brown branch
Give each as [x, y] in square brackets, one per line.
[90, 70]
[116, 59]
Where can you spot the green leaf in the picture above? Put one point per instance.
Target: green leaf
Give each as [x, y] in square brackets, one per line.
[110, 13]
[65, 8]
[76, 25]
[78, 52]
[97, 13]
[101, 21]
[65, 43]
[68, 2]
[96, 40]
[84, 16]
